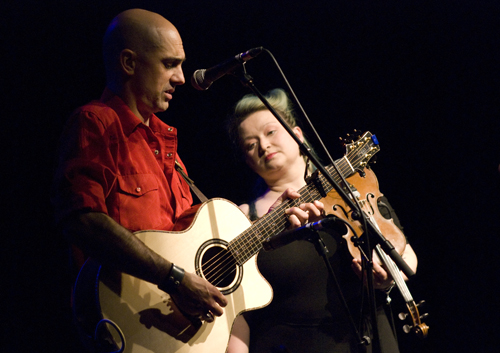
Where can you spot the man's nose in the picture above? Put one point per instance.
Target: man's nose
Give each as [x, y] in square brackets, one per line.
[178, 77]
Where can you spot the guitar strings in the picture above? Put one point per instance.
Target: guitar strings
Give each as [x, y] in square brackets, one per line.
[248, 243]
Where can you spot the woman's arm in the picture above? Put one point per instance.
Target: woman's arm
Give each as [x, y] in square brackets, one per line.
[240, 336]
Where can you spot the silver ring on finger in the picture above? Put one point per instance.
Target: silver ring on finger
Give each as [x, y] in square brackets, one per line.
[208, 316]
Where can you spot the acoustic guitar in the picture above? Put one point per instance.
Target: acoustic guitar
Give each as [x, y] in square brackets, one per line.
[118, 312]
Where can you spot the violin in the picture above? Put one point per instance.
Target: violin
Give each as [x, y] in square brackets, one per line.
[364, 186]
[419, 328]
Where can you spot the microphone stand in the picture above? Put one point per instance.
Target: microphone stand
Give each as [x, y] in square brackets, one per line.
[322, 250]
[371, 231]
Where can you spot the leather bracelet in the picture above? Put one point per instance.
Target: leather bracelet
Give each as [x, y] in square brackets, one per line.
[173, 280]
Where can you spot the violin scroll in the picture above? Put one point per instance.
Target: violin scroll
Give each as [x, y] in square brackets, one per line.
[419, 328]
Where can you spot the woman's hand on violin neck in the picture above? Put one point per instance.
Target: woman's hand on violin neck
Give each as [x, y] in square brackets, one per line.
[381, 278]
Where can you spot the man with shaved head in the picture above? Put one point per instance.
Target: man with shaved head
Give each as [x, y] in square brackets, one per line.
[117, 171]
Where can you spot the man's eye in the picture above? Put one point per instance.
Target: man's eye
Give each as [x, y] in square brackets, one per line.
[171, 64]
[272, 132]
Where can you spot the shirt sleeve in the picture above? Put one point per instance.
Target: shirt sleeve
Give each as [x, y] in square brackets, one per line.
[86, 170]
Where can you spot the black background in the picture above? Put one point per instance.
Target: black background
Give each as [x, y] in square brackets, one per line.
[423, 76]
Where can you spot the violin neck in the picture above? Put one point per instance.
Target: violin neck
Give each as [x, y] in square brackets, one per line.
[393, 269]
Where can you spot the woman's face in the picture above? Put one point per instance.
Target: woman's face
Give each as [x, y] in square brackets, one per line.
[267, 146]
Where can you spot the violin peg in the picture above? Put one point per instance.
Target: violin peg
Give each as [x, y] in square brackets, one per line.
[420, 330]
[402, 316]
[421, 303]
[424, 316]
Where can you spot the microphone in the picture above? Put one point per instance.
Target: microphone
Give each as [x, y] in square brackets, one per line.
[202, 79]
[277, 241]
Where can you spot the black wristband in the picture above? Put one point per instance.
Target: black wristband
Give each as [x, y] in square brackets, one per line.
[173, 280]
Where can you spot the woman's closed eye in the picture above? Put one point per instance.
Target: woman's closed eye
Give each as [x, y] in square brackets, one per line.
[250, 146]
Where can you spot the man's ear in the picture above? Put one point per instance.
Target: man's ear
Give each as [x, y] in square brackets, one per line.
[128, 61]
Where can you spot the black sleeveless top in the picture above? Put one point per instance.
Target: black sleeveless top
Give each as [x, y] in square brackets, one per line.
[306, 313]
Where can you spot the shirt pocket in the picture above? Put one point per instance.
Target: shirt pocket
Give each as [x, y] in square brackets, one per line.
[139, 201]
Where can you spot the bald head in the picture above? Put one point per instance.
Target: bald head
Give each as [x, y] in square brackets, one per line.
[138, 30]
[143, 55]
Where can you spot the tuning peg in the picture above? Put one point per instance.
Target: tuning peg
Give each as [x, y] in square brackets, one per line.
[421, 303]
[424, 316]
[343, 141]
[420, 330]
[402, 316]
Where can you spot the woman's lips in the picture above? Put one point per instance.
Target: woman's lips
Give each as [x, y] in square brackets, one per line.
[270, 155]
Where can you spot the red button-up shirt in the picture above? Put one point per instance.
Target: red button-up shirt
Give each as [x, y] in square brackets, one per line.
[111, 162]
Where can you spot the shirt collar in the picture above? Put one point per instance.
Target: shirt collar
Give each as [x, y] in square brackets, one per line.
[128, 119]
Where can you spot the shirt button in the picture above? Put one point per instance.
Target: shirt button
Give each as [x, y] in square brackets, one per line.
[138, 189]
[156, 152]
[169, 154]
[170, 129]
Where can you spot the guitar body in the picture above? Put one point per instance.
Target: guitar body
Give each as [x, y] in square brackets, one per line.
[147, 317]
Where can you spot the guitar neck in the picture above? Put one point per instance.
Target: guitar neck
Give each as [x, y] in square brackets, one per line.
[250, 241]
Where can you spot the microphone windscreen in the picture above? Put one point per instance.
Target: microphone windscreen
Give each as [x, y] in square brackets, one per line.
[197, 80]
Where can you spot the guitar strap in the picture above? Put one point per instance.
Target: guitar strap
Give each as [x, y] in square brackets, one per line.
[190, 182]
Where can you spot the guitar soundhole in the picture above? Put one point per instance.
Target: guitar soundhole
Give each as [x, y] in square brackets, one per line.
[217, 265]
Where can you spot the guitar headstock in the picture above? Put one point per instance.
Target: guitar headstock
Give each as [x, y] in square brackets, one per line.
[351, 137]
[360, 151]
